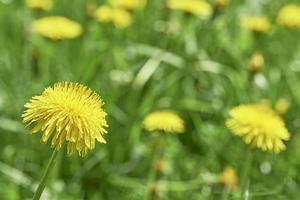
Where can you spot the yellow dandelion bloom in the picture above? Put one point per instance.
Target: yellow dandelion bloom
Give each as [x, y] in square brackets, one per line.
[57, 28]
[166, 120]
[260, 126]
[120, 17]
[256, 62]
[282, 106]
[195, 7]
[39, 4]
[129, 4]
[67, 112]
[229, 178]
[256, 24]
[289, 16]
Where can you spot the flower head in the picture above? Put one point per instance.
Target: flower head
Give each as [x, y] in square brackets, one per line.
[259, 125]
[256, 24]
[67, 112]
[166, 120]
[129, 4]
[289, 16]
[195, 7]
[256, 62]
[39, 4]
[120, 17]
[56, 27]
[229, 178]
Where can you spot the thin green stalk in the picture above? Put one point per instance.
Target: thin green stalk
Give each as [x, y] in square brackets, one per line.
[43, 182]
[246, 171]
[157, 154]
[225, 193]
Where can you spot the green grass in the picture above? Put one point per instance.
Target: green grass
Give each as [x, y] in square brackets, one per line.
[199, 70]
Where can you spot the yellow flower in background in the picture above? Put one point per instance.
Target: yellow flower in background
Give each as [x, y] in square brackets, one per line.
[282, 106]
[129, 4]
[120, 17]
[165, 120]
[221, 3]
[39, 4]
[256, 62]
[90, 8]
[57, 28]
[289, 16]
[229, 178]
[67, 112]
[256, 24]
[195, 7]
[259, 125]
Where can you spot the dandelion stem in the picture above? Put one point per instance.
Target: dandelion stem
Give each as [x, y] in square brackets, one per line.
[245, 174]
[43, 182]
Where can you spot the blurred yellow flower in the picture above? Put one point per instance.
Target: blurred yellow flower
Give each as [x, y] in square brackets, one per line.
[195, 7]
[67, 112]
[229, 178]
[221, 3]
[256, 24]
[289, 16]
[166, 120]
[120, 17]
[129, 4]
[256, 62]
[39, 4]
[259, 125]
[282, 105]
[57, 28]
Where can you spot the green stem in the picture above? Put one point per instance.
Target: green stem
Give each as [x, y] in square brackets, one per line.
[43, 182]
[246, 171]
[225, 193]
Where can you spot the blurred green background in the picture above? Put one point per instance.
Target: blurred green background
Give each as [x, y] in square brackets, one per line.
[164, 59]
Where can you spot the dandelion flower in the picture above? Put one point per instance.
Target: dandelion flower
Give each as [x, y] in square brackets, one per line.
[260, 126]
[256, 24]
[229, 178]
[57, 28]
[282, 106]
[166, 120]
[195, 7]
[39, 4]
[289, 16]
[67, 113]
[129, 4]
[256, 62]
[120, 17]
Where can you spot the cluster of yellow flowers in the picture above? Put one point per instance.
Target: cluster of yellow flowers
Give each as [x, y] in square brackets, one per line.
[288, 16]
[119, 13]
[121, 18]
[72, 114]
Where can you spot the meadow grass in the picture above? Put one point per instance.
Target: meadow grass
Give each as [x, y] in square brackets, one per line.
[164, 60]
